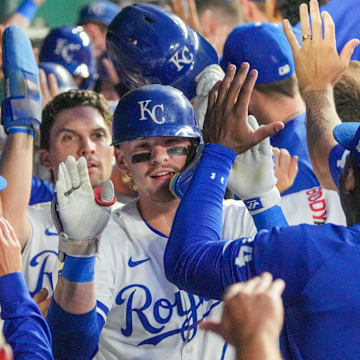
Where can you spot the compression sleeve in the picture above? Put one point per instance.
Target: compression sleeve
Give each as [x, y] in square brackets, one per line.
[24, 327]
[74, 336]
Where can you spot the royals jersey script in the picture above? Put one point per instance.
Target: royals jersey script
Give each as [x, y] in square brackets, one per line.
[146, 316]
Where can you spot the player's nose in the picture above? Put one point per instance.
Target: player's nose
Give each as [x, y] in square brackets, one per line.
[159, 154]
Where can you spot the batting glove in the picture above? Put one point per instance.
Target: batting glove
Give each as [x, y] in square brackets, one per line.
[252, 177]
[21, 109]
[80, 216]
[205, 82]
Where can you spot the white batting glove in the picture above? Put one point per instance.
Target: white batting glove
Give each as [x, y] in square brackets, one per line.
[205, 82]
[79, 219]
[252, 177]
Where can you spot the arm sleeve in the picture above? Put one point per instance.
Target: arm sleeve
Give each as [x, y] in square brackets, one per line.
[74, 336]
[194, 249]
[24, 327]
[41, 191]
[337, 160]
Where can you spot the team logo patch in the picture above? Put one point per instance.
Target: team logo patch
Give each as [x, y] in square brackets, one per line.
[181, 58]
[146, 111]
[253, 204]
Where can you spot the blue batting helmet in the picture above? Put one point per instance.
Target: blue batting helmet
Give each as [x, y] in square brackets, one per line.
[102, 12]
[71, 47]
[149, 45]
[64, 79]
[154, 110]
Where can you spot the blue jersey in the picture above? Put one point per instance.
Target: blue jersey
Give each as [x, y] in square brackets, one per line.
[24, 327]
[320, 266]
[41, 191]
[293, 139]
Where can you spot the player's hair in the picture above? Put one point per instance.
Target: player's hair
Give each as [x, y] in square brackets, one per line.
[347, 94]
[286, 87]
[68, 100]
[228, 8]
[289, 9]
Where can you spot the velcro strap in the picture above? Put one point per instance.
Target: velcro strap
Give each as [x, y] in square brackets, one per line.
[21, 112]
[77, 248]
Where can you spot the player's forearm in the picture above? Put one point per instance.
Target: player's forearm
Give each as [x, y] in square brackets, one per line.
[260, 347]
[193, 250]
[16, 167]
[321, 118]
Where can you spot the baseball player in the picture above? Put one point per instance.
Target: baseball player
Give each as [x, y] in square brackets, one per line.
[318, 264]
[75, 123]
[125, 294]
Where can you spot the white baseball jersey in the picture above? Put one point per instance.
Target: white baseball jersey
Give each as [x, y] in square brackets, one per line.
[313, 206]
[147, 317]
[40, 253]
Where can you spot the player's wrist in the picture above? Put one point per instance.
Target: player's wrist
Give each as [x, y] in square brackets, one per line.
[259, 203]
[27, 9]
[79, 269]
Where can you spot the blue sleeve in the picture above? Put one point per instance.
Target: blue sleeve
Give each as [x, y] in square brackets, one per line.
[41, 191]
[269, 218]
[24, 327]
[74, 336]
[337, 160]
[194, 249]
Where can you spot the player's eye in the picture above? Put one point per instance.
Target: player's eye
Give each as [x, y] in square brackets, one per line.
[177, 151]
[141, 157]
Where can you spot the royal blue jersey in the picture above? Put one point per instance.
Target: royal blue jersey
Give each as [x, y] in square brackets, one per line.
[320, 266]
[24, 327]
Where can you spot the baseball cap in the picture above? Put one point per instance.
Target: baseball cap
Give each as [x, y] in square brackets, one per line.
[264, 46]
[3, 183]
[348, 136]
[98, 11]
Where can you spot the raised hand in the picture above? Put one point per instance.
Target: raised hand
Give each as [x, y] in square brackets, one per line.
[226, 119]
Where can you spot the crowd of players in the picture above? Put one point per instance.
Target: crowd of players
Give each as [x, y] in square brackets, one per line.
[144, 212]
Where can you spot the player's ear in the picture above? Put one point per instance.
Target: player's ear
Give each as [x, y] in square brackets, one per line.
[45, 159]
[121, 160]
[272, 12]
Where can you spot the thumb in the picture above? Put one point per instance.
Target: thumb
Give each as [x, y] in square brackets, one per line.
[212, 326]
[268, 130]
[41, 295]
[348, 50]
[107, 192]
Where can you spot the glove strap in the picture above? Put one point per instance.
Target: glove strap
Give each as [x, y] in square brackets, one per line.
[263, 202]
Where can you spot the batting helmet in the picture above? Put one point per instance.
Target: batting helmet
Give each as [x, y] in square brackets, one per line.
[102, 12]
[64, 79]
[154, 110]
[149, 45]
[71, 47]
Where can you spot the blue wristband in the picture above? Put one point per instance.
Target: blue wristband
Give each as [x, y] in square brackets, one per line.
[79, 269]
[21, 130]
[27, 9]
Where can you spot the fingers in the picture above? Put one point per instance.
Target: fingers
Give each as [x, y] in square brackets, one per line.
[315, 21]
[290, 36]
[266, 131]
[84, 174]
[41, 295]
[277, 287]
[329, 28]
[348, 50]
[242, 104]
[178, 8]
[213, 326]
[73, 172]
[304, 19]
[225, 84]
[66, 178]
[53, 85]
[293, 168]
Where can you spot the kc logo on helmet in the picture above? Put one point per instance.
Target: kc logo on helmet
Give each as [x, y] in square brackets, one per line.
[145, 110]
[64, 50]
[183, 56]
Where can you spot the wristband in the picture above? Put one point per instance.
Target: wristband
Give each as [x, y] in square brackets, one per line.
[79, 269]
[21, 130]
[263, 202]
[27, 9]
